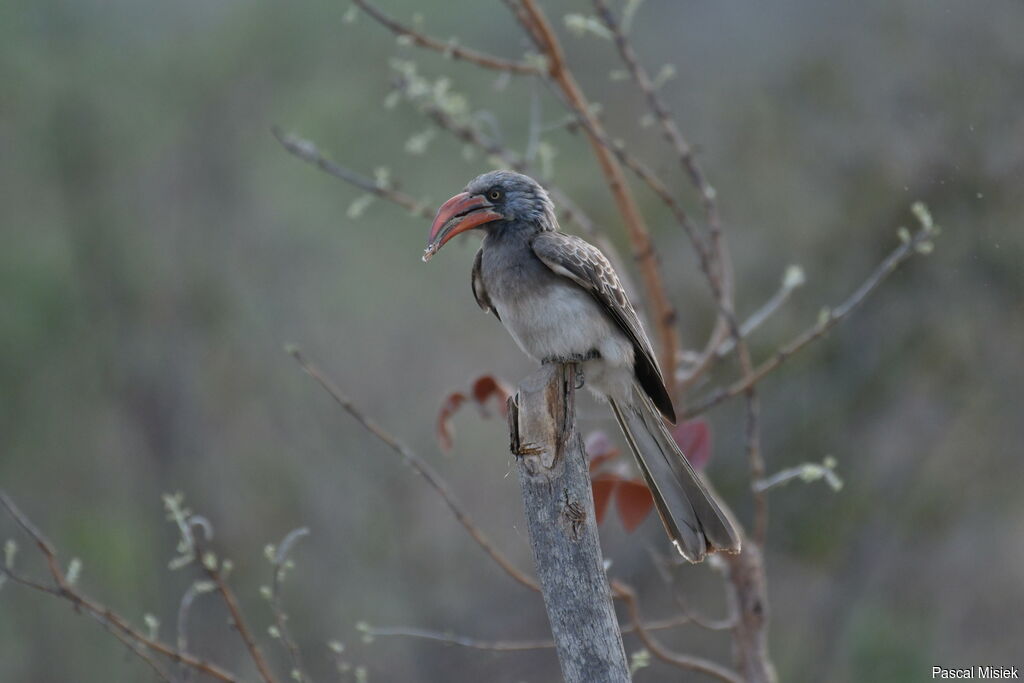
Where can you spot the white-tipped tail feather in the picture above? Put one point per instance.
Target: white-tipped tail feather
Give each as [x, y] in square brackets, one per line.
[692, 518]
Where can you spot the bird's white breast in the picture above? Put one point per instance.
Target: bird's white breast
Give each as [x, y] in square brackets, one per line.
[560, 321]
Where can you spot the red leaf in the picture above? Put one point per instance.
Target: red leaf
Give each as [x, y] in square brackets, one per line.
[694, 439]
[488, 387]
[485, 388]
[634, 502]
[603, 486]
[599, 449]
[444, 418]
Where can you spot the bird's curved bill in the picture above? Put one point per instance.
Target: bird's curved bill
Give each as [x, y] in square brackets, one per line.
[459, 214]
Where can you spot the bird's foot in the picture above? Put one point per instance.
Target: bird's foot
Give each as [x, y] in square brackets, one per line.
[527, 448]
[572, 357]
[576, 360]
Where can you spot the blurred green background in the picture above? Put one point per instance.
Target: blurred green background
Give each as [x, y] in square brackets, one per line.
[160, 248]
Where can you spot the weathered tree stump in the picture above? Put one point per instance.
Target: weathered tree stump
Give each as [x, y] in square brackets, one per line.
[559, 505]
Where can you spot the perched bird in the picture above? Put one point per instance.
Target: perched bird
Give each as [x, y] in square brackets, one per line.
[562, 302]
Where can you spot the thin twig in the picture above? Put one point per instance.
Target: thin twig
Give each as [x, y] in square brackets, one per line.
[506, 645]
[237, 619]
[720, 285]
[755, 458]
[421, 467]
[540, 31]
[137, 649]
[664, 567]
[461, 641]
[280, 562]
[184, 607]
[104, 615]
[682, 661]
[721, 272]
[449, 49]
[308, 152]
[471, 134]
[791, 280]
[828, 320]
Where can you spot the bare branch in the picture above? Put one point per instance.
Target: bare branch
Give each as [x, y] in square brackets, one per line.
[792, 279]
[308, 152]
[213, 571]
[447, 48]
[721, 274]
[102, 614]
[421, 467]
[280, 562]
[682, 661]
[461, 641]
[828, 320]
[137, 649]
[687, 614]
[506, 645]
[471, 134]
[665, 120]
[808, 472]
[540, 31]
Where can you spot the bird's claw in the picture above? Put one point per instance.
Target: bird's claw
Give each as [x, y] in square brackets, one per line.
[572, 358]
[528, 449]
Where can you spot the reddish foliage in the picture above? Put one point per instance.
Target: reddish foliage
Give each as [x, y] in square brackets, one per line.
[634, 502]
[633, 499]
[599, 448]
[444, 419]
[485, 390]
[694, 439]
[603, 485]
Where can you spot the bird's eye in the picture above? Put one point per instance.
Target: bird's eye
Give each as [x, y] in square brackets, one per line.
[494, 195]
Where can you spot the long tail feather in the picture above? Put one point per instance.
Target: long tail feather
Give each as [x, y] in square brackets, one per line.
[692, 518]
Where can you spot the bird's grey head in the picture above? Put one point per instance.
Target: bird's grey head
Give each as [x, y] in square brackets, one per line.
[495, 200]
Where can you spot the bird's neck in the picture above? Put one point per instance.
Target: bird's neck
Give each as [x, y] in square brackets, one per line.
[512, 233]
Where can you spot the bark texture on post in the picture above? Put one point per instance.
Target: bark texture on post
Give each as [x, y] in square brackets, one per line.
[555, 482]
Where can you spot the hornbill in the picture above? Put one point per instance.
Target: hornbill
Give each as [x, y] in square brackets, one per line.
[562, 302]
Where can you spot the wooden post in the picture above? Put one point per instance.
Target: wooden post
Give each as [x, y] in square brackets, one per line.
[559, 504]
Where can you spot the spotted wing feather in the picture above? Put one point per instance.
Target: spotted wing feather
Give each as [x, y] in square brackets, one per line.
[584, 264]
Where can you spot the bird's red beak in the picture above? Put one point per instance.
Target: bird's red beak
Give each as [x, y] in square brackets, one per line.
[459, 214]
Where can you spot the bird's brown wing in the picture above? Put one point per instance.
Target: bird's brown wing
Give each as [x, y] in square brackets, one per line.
[584, 264]
[479, 292]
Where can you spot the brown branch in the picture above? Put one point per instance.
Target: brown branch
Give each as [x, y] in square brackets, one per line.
[682, 661]
[509, 645]
[446, 48]
[829, 320]
[237, 619]
[308, 152]
[755, 458]
[420, 466]
[745, 576]
[472, 135]
[538, 28]
[461, 641]
[280, 561]
[137, 649]
[720, 281]
[664, 567]
[722, 274]
[104, 615]
[668, 125]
